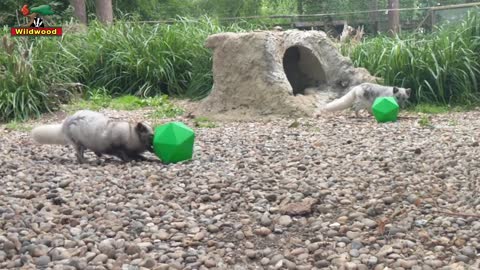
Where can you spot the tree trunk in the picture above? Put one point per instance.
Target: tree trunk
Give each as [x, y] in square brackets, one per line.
[374, 16]
[80, 10]
[104, 11]
[393, 17]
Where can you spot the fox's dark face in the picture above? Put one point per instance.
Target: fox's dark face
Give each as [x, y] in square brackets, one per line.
[402, 95]
[145, 134]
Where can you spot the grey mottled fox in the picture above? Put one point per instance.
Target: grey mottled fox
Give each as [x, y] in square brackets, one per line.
[94, 131]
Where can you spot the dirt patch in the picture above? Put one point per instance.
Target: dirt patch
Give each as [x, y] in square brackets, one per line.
[276, 73]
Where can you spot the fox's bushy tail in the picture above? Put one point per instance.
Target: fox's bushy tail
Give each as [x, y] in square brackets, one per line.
[342, 103]
[49, 134]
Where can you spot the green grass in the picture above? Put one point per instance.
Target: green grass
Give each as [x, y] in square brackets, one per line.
[452, 123]
[425, 122]
[438, 109]
[204, 122]
[295, 124]
[166, 111]
[430, 108]
[99, 99]
[442, 67]
[18, 126]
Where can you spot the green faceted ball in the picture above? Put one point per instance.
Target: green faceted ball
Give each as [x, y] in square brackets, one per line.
[385, 109]
[173, 142]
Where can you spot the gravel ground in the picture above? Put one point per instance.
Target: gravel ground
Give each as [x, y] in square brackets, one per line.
[328, 193]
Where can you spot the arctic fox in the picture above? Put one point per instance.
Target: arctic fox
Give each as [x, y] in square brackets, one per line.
[363, 95]
[94, 131]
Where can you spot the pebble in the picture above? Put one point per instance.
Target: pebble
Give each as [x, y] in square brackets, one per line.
[59, 254]
[354, 253]
[100, 258]
[285, 220]
[3, 256]
[132, 249]
[353, 235]
[106, 247]
[412, 198]
[372, 260]
[265, 220]
[213, 229]
[251, 254]
[262, 231]
[199, 236]
[163, 235]
[42, 261]
[276, 258]
[38, 250]
[210, 263]
[356, 244]
[469, 251]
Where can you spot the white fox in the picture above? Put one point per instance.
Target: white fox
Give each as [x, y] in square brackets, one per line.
[363, 95]
[94, 131]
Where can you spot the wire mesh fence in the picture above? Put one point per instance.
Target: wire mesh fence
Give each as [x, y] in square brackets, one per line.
[374, 21]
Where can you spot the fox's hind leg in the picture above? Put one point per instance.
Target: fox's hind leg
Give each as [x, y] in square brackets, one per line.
[80, 149]
[356, 107]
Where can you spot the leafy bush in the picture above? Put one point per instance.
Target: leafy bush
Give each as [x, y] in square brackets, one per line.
[127, 58]
[25, 90]
[442, 67]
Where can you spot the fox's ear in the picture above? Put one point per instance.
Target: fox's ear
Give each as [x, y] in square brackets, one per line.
[395, 90]
[409, 91]
[141, 128]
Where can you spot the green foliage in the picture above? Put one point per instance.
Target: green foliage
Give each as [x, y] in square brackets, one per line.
[100, 98]
[439, 109]
[142, 59]
[25, 90]
[442, 67]
[165, 110]
[123, 59]
[425, 122]
[430, 108]
[204, 122]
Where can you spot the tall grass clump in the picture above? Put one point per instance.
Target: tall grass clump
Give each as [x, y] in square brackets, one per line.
[28, 81]
[442, 67]
[143, 59]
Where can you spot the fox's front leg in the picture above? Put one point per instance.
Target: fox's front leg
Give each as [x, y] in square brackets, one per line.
[356, 107]
[370, 111]
[123, 155]
[357, 113]
[139, 157]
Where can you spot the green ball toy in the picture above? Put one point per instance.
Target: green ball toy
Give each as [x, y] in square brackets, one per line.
[173, 142]
[385, 109]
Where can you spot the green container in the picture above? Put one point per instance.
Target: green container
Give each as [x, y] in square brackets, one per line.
[385, 109]
[173, 142]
